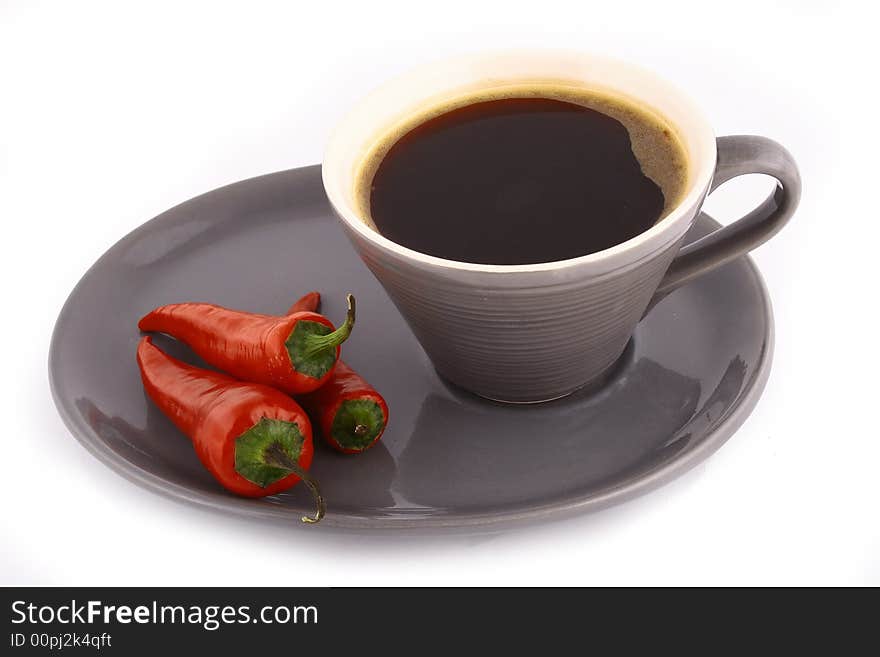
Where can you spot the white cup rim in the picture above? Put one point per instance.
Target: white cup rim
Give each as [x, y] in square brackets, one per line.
[685, 117]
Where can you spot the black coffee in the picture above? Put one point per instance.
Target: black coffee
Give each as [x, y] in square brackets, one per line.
[523, 180]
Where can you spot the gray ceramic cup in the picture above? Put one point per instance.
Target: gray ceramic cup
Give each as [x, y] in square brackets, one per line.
[529, 333]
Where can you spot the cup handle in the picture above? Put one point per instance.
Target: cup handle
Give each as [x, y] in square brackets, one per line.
[739, 155]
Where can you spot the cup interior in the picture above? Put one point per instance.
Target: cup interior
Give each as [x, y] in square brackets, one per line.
[444, 83]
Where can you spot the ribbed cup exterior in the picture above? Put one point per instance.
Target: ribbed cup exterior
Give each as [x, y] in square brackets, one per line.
[518, 336]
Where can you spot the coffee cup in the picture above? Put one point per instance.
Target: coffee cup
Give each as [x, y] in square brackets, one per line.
[535, 332]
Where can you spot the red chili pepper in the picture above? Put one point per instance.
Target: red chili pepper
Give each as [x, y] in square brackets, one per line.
[351, 414]
[255, 440]
[295, 353]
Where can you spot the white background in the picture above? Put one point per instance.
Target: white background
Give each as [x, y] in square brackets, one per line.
[111, 114]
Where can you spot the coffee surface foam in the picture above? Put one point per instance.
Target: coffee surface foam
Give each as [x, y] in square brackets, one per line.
[655, 142]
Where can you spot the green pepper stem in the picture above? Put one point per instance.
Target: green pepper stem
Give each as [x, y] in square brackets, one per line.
[312, 344]
[276, 456]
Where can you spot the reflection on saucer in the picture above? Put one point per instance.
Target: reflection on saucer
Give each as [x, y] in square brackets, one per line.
[158, 446]
[457, 446]
[712, 410]
[354, 481]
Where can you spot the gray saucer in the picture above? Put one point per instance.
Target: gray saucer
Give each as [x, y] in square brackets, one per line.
[692, 373]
